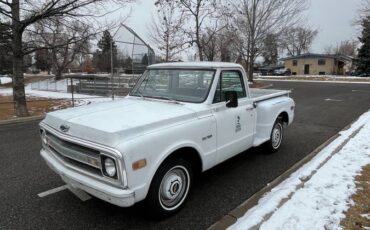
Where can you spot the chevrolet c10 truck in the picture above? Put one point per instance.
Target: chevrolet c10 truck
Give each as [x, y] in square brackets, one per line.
[179, 120]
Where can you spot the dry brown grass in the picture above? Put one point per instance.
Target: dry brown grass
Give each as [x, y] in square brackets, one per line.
[36, 106]
[358, 216]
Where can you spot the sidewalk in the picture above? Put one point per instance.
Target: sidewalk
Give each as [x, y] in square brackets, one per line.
[319, 194]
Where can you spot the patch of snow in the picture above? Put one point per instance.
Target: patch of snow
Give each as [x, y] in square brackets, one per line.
[5, 80]
[80, 99]
[367, 216]
[328, 183]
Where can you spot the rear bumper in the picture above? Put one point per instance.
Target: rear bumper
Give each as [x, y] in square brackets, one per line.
[117, 196]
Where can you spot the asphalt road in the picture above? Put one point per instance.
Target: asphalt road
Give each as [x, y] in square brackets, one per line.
[322, 110]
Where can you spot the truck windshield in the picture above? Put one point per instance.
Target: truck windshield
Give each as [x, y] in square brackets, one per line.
[175, 84]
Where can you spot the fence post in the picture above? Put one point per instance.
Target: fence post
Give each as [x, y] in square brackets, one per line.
[112, 67]
[94, 85]
[73, 98]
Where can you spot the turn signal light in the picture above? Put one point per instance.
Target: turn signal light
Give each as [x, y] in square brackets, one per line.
[139, 164]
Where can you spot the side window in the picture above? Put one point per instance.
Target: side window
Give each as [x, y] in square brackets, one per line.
[229, 81]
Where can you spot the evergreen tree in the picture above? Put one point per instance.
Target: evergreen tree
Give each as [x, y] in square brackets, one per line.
[363, 60]
[145, 60]
[102, 57]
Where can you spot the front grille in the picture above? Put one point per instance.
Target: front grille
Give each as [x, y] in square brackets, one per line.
[79, 156]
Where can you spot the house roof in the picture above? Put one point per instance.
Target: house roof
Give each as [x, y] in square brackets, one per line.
[313, 55]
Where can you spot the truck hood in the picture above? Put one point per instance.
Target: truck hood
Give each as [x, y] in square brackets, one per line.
[109, 123]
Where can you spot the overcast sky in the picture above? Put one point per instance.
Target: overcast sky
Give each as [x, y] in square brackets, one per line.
[333, 18]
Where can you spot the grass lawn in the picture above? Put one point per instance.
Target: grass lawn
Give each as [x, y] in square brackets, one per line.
[358, 216]
[36, 106]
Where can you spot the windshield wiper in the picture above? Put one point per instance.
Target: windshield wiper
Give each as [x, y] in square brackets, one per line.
[165, 98]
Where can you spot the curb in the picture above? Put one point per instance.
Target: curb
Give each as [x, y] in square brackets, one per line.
[231, 218]
[21, 120]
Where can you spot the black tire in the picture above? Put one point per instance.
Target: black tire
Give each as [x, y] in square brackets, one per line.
[173, 178]
[276, 137]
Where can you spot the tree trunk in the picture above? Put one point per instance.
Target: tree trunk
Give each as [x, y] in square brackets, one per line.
[58, 74]
[250, 70]
[250, 64]
[19, 94]
[200, 51]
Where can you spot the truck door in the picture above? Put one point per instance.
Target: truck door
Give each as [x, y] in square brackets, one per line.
[235, 126]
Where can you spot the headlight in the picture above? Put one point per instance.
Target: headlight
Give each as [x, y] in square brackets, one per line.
[110, 167]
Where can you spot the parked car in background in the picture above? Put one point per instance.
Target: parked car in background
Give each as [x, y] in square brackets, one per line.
[364, 75]
[282, 72]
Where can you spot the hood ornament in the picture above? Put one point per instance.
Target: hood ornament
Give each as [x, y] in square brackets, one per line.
[64, 128]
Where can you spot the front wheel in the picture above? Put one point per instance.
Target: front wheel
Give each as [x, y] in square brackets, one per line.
[276, 137]
[170, 187]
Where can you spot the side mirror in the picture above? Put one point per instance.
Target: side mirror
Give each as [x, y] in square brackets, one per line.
[231, 98]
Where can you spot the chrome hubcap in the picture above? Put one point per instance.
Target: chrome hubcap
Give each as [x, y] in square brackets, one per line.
[276, 136]
[173, 188]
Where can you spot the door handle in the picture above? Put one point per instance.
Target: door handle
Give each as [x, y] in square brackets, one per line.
[249, 108]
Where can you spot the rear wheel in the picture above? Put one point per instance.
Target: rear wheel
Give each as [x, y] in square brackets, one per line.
[276, 137]
[170, 187]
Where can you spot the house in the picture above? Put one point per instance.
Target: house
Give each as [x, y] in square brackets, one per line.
[318, 64]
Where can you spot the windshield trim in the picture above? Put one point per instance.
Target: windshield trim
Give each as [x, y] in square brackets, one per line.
[186, 69]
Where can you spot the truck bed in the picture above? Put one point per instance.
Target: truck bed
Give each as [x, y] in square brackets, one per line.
[265, 94]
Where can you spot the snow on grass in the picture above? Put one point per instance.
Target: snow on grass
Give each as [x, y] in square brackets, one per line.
[318, 194]
[5, 80]
[81, 99]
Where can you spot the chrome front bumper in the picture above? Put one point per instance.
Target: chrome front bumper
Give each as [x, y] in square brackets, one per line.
[117, 196]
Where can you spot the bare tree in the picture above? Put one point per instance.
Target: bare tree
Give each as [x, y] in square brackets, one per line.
[270, 49]
[23, 15]
[66, 42]
[165, 29]
[200, 14]
[220, 46]
[348, 48]
[298, 40]
[209, 43]
[255, 19]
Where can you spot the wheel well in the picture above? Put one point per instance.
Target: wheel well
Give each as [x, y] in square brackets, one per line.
[284, 117]
[191, 155]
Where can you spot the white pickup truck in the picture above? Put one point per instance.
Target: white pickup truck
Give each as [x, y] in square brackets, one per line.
[179, 120]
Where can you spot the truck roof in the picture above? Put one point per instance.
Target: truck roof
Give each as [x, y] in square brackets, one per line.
[197, 65]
